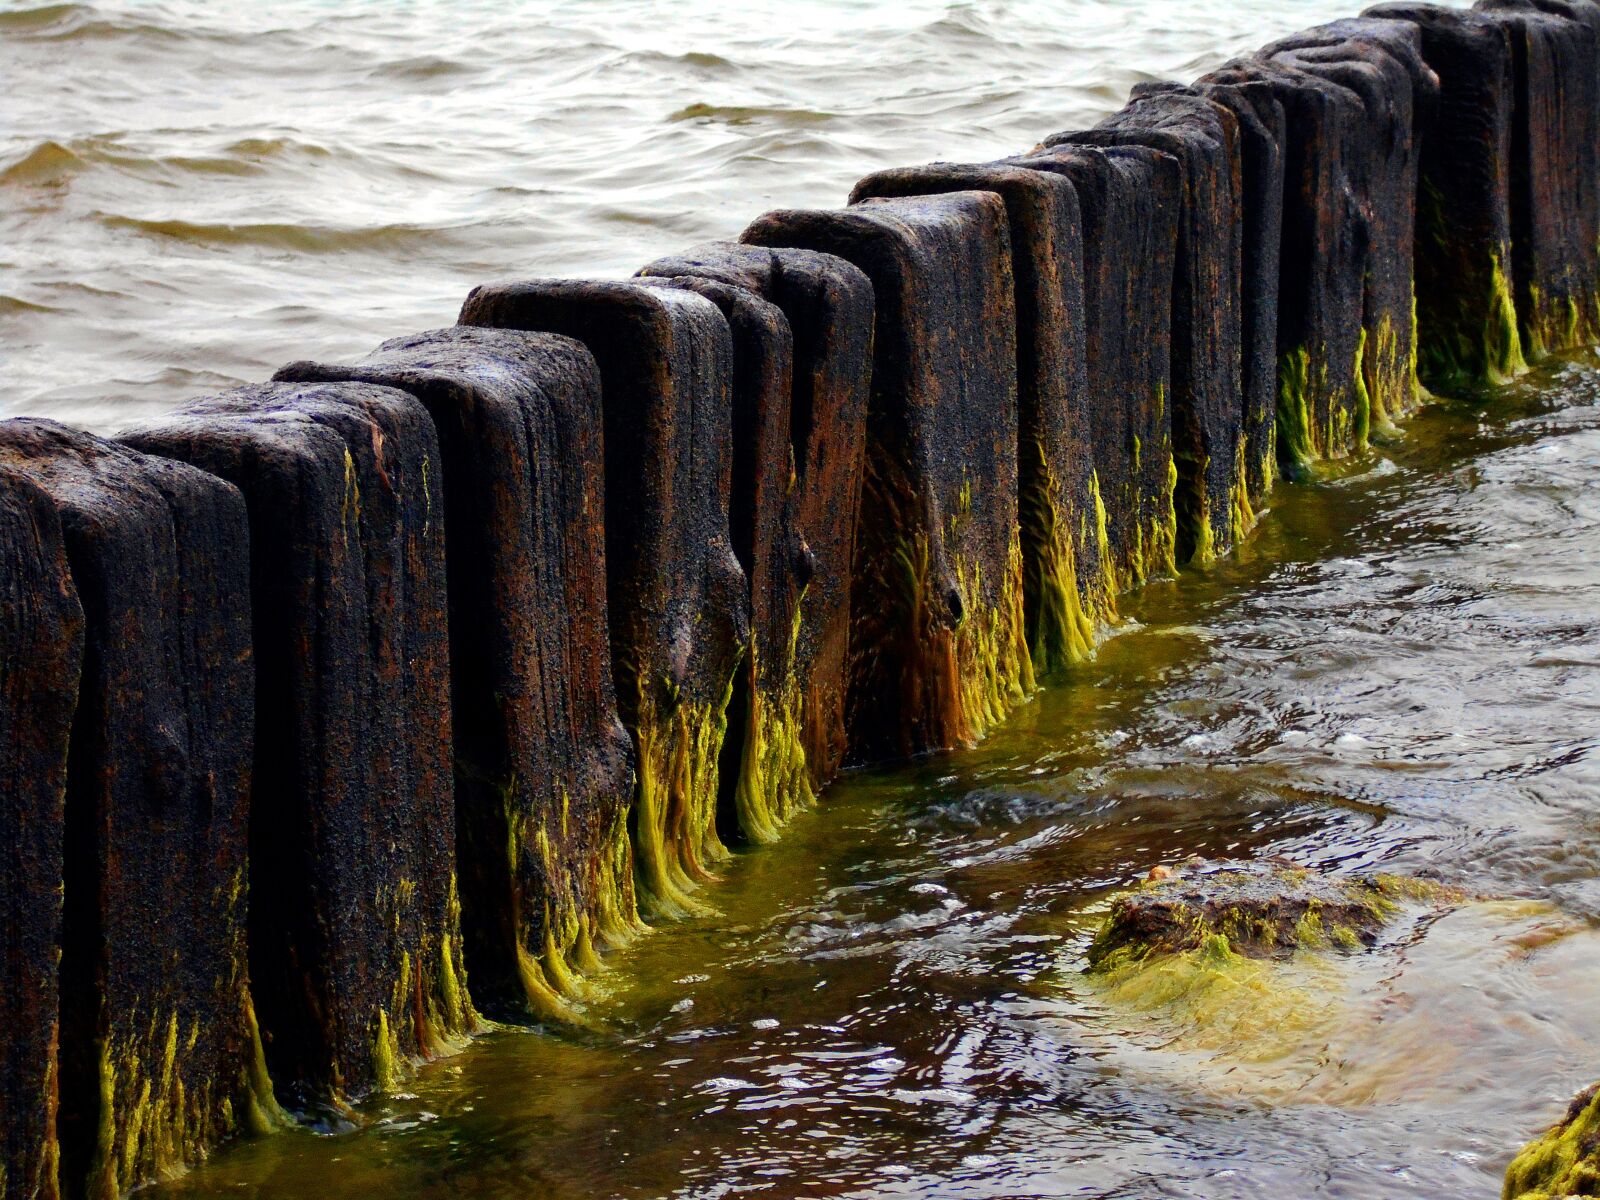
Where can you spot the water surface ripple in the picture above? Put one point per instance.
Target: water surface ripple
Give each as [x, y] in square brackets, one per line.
[192, 194]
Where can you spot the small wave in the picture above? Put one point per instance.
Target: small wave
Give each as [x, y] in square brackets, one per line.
[63, 22]
[737, 114]
[427, 66]
[25, 19]
[313, 239]
[257, 147]
[16, 305]
[47, 164]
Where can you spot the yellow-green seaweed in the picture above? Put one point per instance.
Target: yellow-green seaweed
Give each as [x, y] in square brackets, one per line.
[993, 667]
[1565, 1162]
[673, 818]
[1066, 612]
[774, 779]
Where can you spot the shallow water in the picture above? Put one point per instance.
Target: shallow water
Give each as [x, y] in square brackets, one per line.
[1399, 669]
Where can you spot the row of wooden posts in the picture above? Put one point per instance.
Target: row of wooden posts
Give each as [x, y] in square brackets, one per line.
[339, 710]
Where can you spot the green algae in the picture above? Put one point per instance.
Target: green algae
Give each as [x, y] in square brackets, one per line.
[1109, 585]
[993, 667]
[1294, 436]
[1064, 612]
[1242, 514]
[673, 817]
[1259, 910]
[552, 971]
[1213, 998]
[1565, 1161]
[429, 1014]
[774, 777]
[1479, 342]
[149, 1124]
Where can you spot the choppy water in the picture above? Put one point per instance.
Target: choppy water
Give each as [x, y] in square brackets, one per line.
[1399, 669]
[192, 194]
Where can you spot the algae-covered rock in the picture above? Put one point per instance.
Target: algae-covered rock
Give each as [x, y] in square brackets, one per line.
[1565, 1161]
[159, 1060]
[1213, 510]
[1065, 595]
[543, 766]
[41, 656]
[1254, 909]
[678, 597]
[355, 946]
[1128, 201]
[938, 646]
[828, 305]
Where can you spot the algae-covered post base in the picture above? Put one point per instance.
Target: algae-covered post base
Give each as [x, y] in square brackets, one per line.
[1259, 118]
[939, 651]
[1212, 502]
[1065, 600]
[1555, 171]
[543, 766]
[1128, 199]
[158, 1056]
[1467, 334]
[41, 656]
[355, 946]
[764, 779]
[1565, 1162]
[1381, 63]
[828, 305]
[677, 596]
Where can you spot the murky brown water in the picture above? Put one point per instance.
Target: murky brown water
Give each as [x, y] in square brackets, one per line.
[1399, 669]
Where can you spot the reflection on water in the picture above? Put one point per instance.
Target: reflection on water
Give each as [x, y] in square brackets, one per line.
[1398, 671]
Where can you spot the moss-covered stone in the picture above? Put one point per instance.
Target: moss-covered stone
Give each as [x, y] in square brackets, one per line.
[1565, 1162]
[938, 643]
[158, 1058]
[543, 766]
[355, 945]
[1065, 599]
[1254, 909]
[828, 305]
[41, 657]
[678, 597]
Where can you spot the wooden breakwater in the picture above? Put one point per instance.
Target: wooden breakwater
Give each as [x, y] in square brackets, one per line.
[342, 712]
